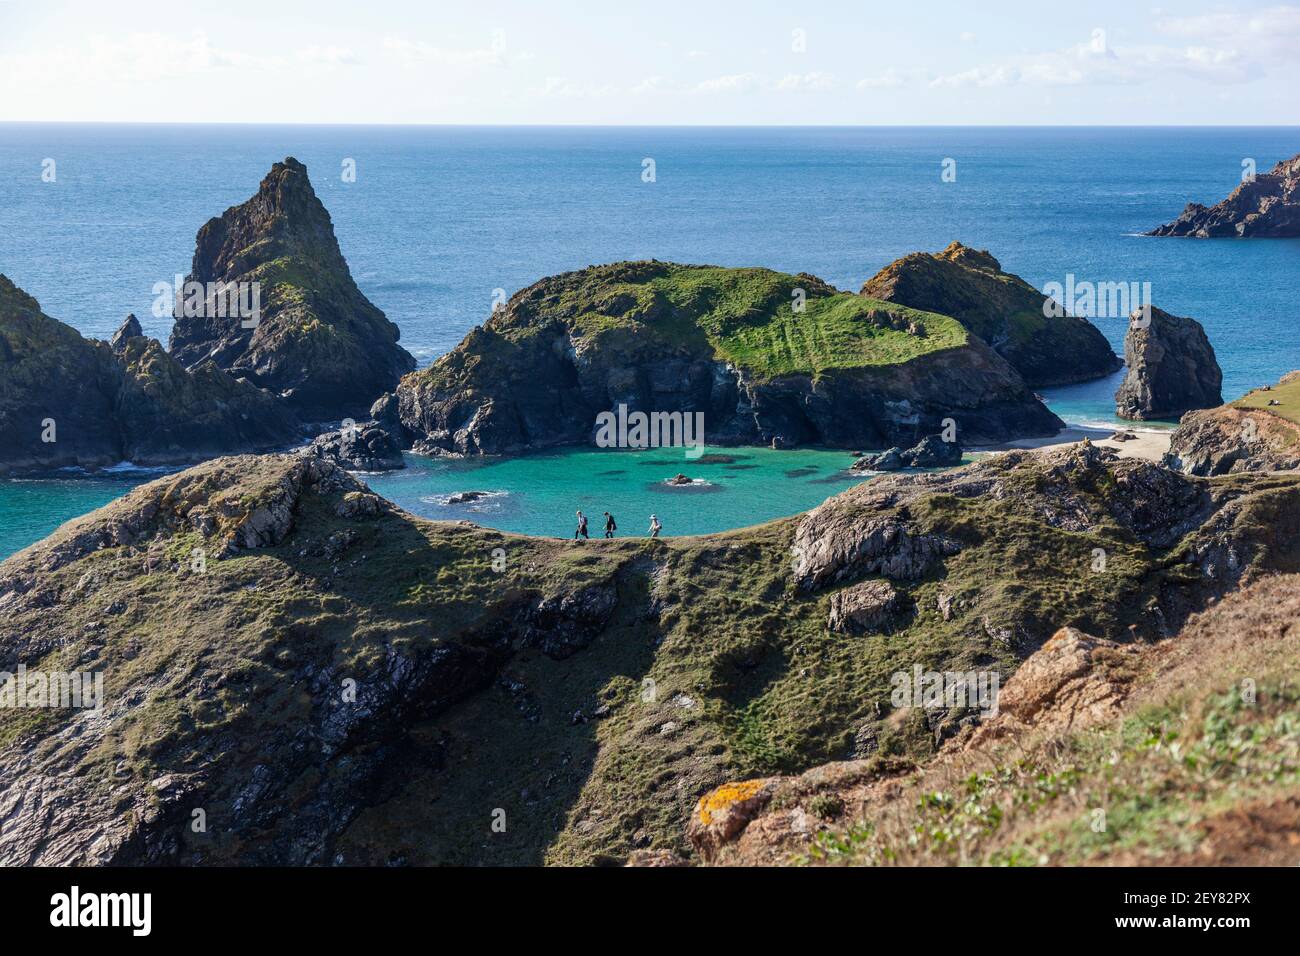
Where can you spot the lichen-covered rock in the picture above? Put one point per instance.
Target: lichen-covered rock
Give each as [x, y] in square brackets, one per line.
[1171, 367]
[1266, 207]
[317, 341]
[725, 344]
[863, 608]
[1046, 346]
[723, 813]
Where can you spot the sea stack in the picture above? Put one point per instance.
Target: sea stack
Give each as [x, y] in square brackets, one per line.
[1172, 368]
[315, 340]
[1264, 207]
[1024, 326]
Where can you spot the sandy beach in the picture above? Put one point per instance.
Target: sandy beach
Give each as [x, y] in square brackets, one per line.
[1147, 444]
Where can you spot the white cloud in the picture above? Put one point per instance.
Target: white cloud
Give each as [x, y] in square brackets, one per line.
[141, 58]
[414, 52]
[816, 81]
[1097, 63]
[890, 79]
[734, 83]
[558, 86]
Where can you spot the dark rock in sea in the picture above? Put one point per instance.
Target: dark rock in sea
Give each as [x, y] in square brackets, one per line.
[1267, 207]
[362, 447]
[930, 452]
[465, 497]
[316, 340]
[127, 331]
[659, 337]
[679, 480]
[71, 402]
[1020, 323]
[1171, 367]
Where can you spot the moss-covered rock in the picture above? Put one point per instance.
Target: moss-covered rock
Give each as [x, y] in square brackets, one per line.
[1019, 322]
[765, 357]
[318, 342]
[70, 402]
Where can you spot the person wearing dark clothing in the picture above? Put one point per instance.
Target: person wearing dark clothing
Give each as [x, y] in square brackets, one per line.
[582, 526]
[610, 527]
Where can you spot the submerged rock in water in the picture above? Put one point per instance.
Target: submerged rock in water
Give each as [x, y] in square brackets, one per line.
[1171, 367]
[465, 497]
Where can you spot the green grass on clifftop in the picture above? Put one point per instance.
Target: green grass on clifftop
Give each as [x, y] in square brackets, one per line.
[748, 316]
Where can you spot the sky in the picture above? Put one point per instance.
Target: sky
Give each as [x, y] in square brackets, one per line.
[706, 62]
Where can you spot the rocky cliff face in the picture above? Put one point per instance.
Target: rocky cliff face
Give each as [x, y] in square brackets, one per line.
[1266, 208]
[335, 681]
[1259, 432]
[70, 402]
[318, 342]
[1171, 368]
[726, 343]
[1002, 309]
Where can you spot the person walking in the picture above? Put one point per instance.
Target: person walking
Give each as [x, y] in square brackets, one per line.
[655, 526]
[582, 527]
[610, 526]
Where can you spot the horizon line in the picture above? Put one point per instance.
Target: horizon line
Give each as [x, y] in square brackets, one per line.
[275, 123]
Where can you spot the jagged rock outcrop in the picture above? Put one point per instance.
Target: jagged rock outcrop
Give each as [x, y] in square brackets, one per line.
[726, 344]
[1172, 368]
[1046, 346]
[1258, 432]
[363, 447]
[70, 402]
[930, 452]
[863, 608]
[316, 340]
[126, 331]
[1267, 207]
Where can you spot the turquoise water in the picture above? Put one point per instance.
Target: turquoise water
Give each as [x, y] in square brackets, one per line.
[539, 494]
[441, 217]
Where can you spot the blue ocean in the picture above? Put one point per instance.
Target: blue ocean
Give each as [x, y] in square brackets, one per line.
[440, 218]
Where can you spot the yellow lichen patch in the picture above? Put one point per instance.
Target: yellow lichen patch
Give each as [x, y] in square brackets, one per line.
[724, 796]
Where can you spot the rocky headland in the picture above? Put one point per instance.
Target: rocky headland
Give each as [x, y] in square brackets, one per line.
[317, 342]
[382, 682]
[1258, 432]
[765, 357]
[1041, 342]
[1171, 367]
[71, 402]
[1266, 207]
